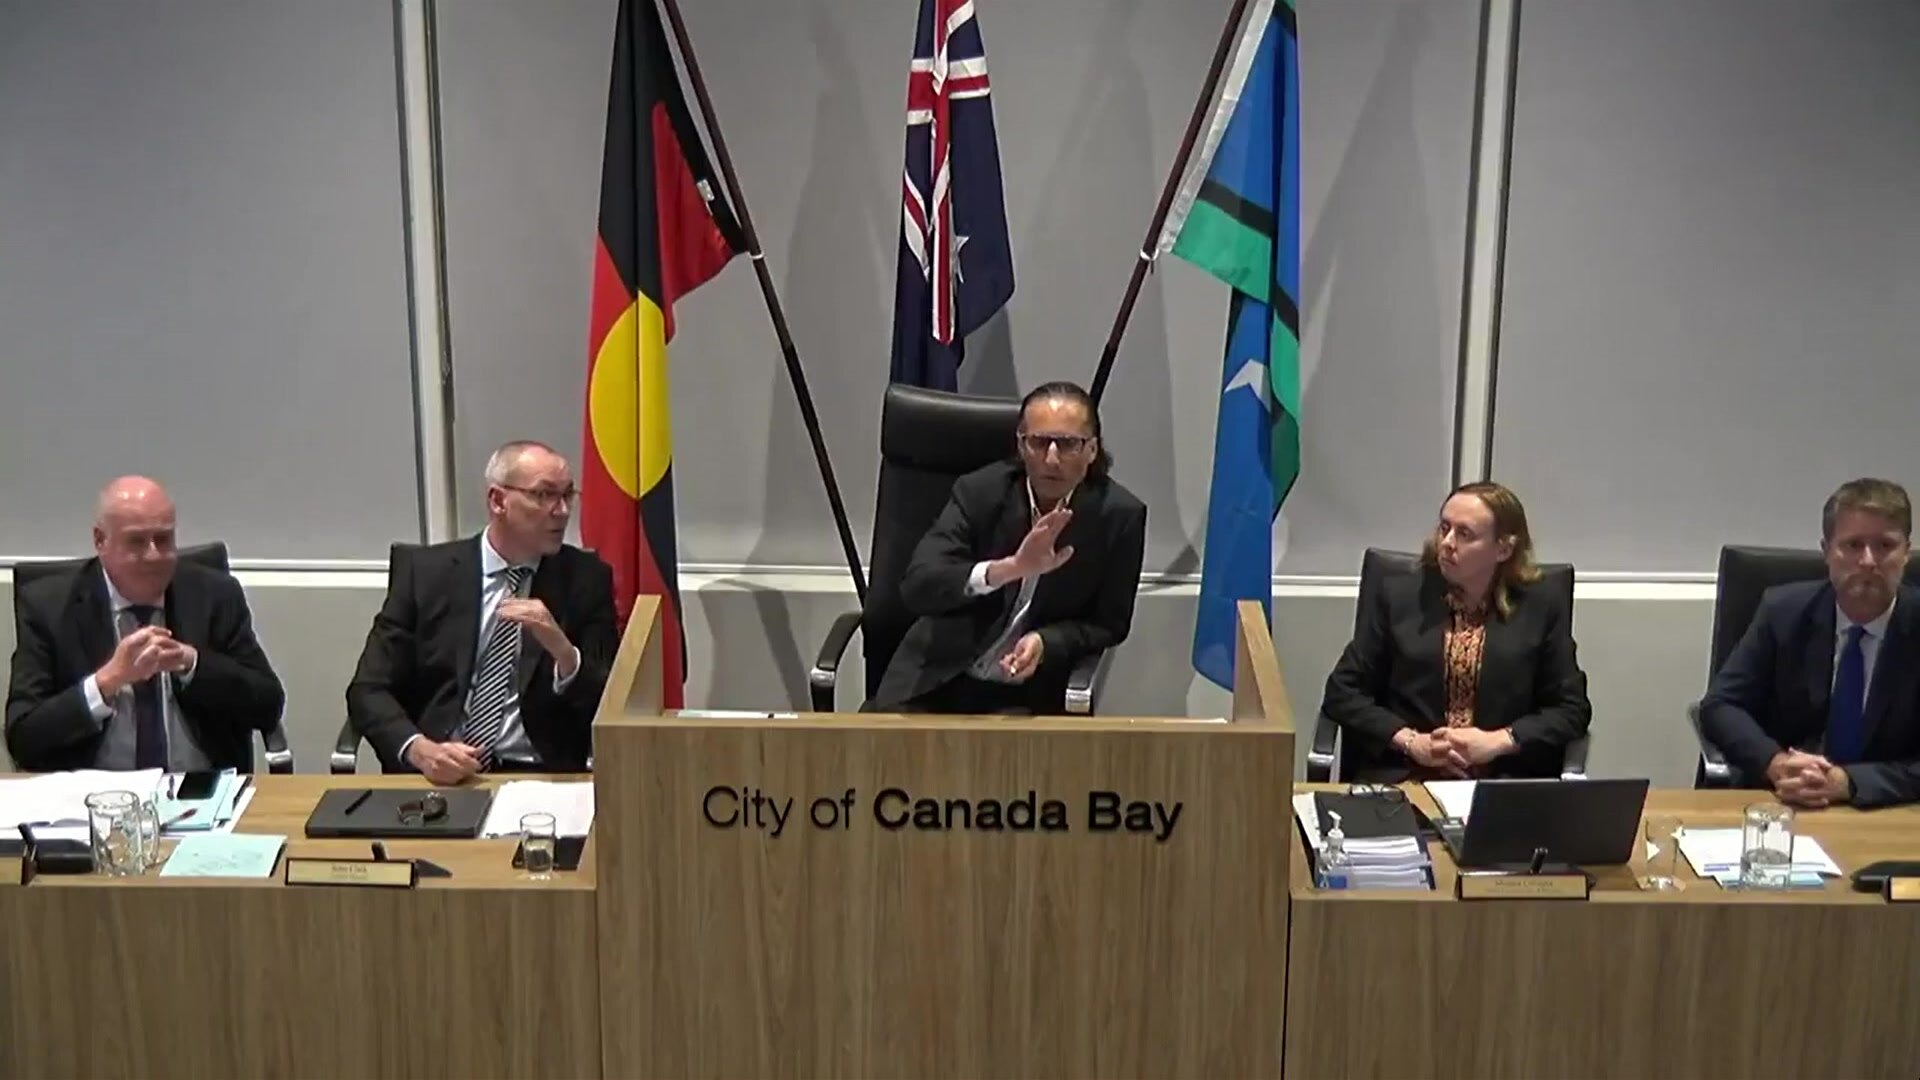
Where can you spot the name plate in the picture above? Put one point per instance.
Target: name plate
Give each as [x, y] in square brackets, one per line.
[1522, 887]
[1903, 890]
[392, 874]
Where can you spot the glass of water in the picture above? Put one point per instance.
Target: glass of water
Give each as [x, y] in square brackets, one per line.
[113, 831]
[1663, 852]
[537, 838]
[1766, 846]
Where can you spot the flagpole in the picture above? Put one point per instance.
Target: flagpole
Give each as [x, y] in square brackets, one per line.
[788, 352]
[1149, 246]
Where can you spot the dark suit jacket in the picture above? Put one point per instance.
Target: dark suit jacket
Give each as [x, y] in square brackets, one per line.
[417, 665]
[1773, 689]
[65, 632]
[1393, 675]
[1085, 605]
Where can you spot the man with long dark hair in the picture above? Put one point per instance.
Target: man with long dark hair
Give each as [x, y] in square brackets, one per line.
[1033, 564]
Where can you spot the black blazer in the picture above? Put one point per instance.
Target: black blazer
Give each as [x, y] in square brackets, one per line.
[64, 632]
[1393, 675]
[1084, 606]
[417, 665]
[1773, 689]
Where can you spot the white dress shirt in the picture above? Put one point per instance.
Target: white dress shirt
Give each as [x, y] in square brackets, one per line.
[493, 589]
[105, 711]
[987, 666]
[1869, 643]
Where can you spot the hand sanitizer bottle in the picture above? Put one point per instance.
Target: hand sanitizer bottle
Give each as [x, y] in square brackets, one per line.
[1334, 870]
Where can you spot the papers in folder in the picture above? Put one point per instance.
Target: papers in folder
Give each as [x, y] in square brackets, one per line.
[1715, 853]
[570, 803]
[241, 855]
[1381, 862]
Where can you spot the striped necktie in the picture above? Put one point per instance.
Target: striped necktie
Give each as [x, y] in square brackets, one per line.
[493, 676]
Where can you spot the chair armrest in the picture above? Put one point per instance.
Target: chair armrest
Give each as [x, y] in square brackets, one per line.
[825, 676]
[345, 759]
[279, 758]
[1324, 752]
[1084, 682]
[1714, 771]
[1573, 764]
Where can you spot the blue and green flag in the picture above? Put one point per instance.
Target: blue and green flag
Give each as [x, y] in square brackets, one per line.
[1237, 216]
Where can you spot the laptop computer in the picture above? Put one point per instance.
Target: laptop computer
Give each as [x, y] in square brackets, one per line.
[1577, 822]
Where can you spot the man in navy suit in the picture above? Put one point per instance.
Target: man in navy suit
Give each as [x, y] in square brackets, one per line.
[1820, 701]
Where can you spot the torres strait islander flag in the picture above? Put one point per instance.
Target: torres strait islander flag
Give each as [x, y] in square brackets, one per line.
[665, 227]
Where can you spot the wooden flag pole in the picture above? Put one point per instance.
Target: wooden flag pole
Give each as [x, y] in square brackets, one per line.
[1149, 246]
[795, 374]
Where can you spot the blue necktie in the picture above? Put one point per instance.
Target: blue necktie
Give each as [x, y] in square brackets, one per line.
[149, 721]
[1847, 712]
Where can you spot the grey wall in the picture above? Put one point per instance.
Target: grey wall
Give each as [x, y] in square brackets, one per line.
[1713, 278]
[200, 272]
[1090, 98]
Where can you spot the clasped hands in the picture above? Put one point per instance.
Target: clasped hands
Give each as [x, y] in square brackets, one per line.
[140, 656]
[1456, 750]
[1808, 781]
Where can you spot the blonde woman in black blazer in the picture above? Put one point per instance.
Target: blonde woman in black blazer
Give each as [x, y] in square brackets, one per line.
[1465, 668]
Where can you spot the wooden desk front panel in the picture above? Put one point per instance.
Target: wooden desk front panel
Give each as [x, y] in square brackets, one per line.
[1703, 983]
[864, 951]
[484, 974]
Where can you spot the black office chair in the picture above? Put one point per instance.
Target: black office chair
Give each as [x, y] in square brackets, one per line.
[1376, 566]
[212, 556]
[1746, 572]
[928, 439]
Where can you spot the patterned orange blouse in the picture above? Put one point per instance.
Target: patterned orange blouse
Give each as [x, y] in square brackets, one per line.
[1466, 642]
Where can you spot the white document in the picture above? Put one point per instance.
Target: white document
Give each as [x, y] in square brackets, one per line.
[1308, 815]
[62, 796]
[1715, 853]
[1454, 796]
[570, 803]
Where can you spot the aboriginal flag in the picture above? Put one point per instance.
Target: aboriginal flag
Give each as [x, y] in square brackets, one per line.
[665, 227]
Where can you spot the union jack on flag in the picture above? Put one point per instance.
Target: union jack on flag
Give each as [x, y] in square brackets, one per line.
[956, 266]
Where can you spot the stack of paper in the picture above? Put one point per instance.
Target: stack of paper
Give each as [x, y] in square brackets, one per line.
[1454, 796]
[570, 803]
[1715, 853]
[1385, 862]
[57, 802]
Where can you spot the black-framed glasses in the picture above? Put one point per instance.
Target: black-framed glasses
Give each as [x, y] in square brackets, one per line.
[548, 497]
[1038, 444]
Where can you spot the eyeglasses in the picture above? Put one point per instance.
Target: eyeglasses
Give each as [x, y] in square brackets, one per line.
[1037, 444]
[547, 496]
[429, 807]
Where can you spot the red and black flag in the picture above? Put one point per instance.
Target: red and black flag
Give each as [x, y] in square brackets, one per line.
[665, 227]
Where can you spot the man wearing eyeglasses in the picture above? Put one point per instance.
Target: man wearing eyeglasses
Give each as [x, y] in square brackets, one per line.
[1033, 564]
[490, 653]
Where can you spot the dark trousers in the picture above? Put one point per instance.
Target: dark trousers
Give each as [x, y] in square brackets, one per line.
[1044, 694]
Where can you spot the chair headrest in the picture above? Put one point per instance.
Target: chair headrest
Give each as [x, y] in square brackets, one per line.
[213, 556]
[946, 433]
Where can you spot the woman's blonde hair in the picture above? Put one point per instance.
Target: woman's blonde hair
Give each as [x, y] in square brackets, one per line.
[1509, 523]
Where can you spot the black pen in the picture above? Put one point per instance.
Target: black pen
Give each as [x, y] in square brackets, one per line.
[355, 804]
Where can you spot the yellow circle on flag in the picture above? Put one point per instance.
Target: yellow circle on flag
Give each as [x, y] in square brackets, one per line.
[627, 400]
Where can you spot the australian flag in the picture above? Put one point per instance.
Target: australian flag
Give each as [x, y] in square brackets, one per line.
[956, 266]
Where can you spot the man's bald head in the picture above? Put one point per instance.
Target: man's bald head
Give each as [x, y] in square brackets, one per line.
[133, 533]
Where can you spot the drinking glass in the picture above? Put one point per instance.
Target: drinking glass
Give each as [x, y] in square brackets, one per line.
[1663, 853]
[537, 838]
[1766, 846]
[113, 829]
